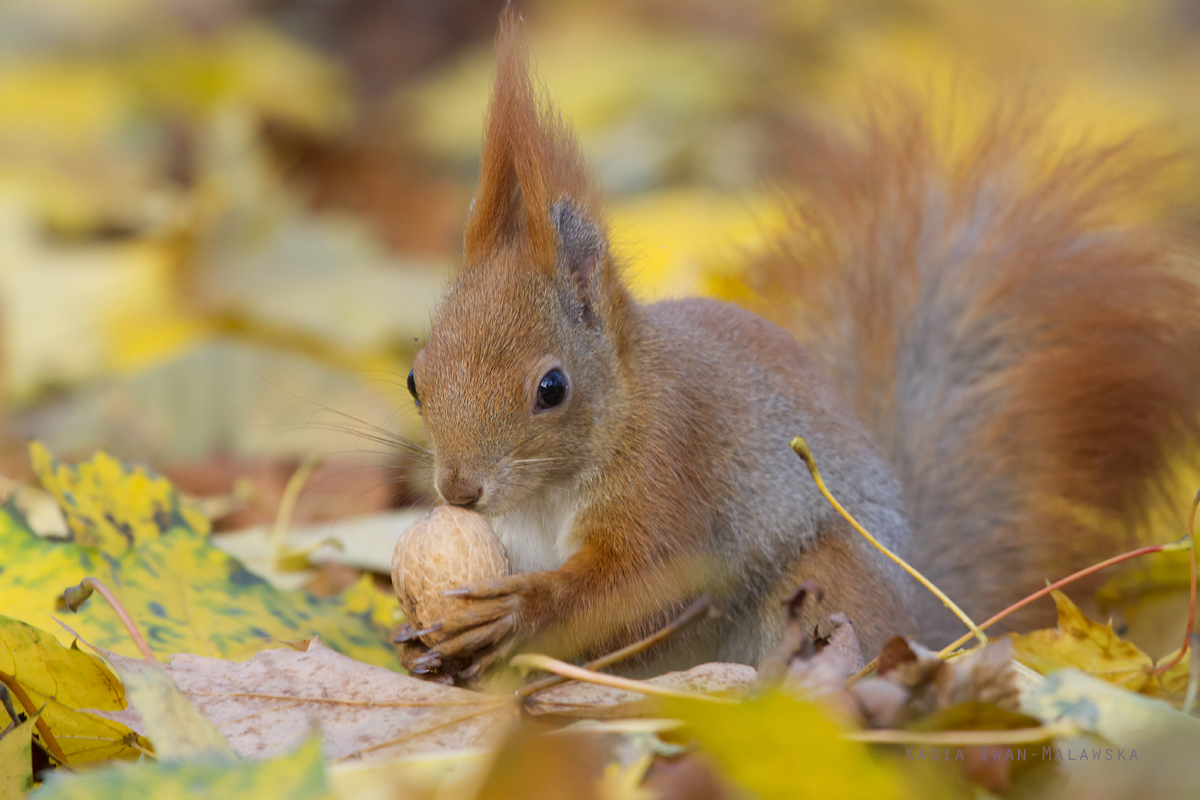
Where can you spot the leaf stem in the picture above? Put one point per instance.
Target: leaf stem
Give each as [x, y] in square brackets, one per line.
[287, 504]
[75, 596]
[1191, 624]
[572, 672]
[1181, 544]
[801, 448]
[969, 738]
[690, 615]
[27, 703]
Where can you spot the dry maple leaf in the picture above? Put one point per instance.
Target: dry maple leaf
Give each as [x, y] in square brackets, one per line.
[268, 704]
[926, 683]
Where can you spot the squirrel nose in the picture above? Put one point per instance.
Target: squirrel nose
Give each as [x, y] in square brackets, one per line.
[459, 492]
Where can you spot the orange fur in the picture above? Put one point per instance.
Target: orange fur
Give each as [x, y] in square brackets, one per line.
[1026, 360]
[992, 362]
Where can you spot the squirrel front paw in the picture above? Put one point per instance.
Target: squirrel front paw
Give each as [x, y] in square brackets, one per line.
[483, 628]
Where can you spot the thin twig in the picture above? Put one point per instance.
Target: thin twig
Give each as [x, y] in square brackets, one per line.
[1189, 699]
[1181, 544]
[287, 504]
[865, 671]
[801, 448]
[690, 615]
[1187, 636]
[572, 672]
[968, 738]
[30, 709]
[75, 596]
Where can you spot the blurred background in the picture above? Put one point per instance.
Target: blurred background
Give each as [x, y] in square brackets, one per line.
[224, 223]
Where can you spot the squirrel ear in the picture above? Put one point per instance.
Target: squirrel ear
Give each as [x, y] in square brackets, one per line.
[581, 255]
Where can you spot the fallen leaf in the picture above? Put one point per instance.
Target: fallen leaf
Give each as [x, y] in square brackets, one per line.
[446, 774]
[111, 507]
[994, 774]
[69, 684]
[1096, 706]
[16, 760]
[299, 775]
[587, 700]
[822, 677]
[776, 746]
[531, 764]
[267, 704]
[912, 682]
[176, 728]
[1086, 645]
[183, 593]
[366, 542]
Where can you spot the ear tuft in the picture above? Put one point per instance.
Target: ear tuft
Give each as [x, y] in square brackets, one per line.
[530, 160]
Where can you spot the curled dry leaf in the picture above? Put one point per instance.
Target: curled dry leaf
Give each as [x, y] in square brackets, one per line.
[823, 676]
[928, 684]
[267, 705]
[587, 700]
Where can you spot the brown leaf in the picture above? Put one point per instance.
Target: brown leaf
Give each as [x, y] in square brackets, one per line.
[822, 677]
[929, 684]
[268, 704]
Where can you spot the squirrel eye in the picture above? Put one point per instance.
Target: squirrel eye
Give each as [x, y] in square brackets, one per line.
[552, 389]
[412, 388]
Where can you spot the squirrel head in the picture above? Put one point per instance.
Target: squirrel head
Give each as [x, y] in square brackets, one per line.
[522, 367]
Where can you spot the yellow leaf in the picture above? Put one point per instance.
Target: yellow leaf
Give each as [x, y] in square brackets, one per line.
[110, 507]
[66, 681]
[16, 761]
[247, 66]
[1089, 646]
[365, 599]
[779, 747]
[184, 594]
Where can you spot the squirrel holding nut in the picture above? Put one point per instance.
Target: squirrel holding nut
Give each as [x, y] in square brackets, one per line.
[992, 371]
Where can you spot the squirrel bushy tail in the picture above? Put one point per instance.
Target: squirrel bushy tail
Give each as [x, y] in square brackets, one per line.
[1025, 355]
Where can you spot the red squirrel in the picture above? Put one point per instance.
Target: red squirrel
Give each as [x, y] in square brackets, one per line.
[991, 372]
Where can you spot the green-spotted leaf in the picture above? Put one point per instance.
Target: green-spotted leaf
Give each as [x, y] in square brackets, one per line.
[134, 533]
[16, 761]
[110, 506]
[298, 776]
[183, 593]
[65, 681]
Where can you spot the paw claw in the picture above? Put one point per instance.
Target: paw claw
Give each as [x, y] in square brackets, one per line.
[434, 628]
[431, 659]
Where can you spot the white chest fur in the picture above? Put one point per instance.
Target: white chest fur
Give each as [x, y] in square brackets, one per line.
[537, 534]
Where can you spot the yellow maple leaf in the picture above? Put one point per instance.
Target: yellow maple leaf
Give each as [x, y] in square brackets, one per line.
[64, 681]
[1088, 646]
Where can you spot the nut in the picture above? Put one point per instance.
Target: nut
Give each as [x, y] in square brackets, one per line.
[446, 548]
